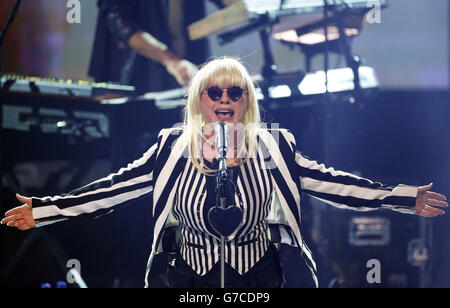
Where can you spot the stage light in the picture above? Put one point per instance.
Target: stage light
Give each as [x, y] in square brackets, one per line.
[61, 124]
[314, 37]
[339, 80]
[280, 91]
[258, 94]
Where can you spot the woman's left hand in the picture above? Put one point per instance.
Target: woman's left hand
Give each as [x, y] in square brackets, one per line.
[427, 202]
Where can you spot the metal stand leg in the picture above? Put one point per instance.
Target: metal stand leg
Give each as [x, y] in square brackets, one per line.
[222, 251]
[222, 262]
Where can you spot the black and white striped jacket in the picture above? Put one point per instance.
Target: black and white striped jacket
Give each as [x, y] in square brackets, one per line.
[278, 173]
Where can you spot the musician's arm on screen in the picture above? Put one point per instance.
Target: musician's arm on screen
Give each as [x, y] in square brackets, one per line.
[121, 20]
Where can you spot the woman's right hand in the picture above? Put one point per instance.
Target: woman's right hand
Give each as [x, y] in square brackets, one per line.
[20, 217]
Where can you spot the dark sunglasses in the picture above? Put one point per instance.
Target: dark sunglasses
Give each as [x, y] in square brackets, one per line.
[234, 93]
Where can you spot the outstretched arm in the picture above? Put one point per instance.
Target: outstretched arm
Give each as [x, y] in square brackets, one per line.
[345, 190]
[95, 199]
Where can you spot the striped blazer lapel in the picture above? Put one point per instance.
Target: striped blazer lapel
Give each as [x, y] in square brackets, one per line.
[169, 164]
[279, 158]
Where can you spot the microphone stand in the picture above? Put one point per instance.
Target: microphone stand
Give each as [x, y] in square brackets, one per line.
[221, 180]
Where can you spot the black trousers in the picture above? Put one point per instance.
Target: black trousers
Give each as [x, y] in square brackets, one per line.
[266, 273]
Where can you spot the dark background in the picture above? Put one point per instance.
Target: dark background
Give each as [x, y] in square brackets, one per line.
[400, 134]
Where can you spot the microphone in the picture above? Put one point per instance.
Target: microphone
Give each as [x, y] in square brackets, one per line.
[221, 130]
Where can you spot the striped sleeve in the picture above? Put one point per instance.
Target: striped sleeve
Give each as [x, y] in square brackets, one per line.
[99, 197]
[345, 190]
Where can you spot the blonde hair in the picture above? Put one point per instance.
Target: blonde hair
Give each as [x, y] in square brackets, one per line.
[223, 72]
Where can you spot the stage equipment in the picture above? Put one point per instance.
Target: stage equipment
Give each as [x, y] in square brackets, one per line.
[250, 15]
[339, 80]
[60, 86]
[325, 26]
[64, 127]
[401, 243]
[333, 32]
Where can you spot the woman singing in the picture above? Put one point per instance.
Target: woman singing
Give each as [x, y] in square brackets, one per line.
[265, 177]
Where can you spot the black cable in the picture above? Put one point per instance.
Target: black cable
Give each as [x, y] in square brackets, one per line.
[326, 7]
[11, 18]
[281, 5]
